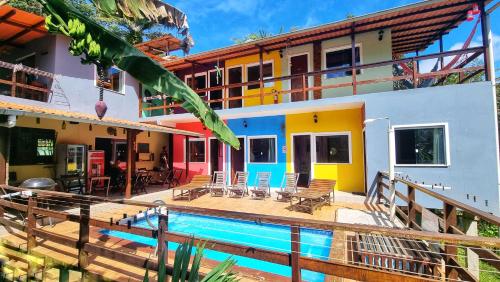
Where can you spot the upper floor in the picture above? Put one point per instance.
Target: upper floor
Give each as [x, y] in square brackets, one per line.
[36, 68]
[380, 52]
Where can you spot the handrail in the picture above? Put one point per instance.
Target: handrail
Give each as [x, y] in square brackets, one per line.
[305, 89]
[37, 90]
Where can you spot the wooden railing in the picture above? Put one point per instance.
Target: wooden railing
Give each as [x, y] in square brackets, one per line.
[464, 71]
[25, 82]
[35, 207]
[451, 211]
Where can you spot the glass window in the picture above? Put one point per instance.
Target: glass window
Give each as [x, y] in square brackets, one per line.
[113, 79]
[32, 146]
[197, 151]
[200, 82]
[263, 150]
[333, 149]
[253, 74]
[341, 58]
[424, 145]
[45, 147]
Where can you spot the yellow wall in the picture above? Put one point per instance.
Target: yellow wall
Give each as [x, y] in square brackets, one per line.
[349, 177]
[243, 61]
[80, 134]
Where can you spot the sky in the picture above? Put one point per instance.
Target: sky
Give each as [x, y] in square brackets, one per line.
[214, 23]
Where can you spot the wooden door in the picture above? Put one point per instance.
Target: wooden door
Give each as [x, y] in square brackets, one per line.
[215, 152]
[302, 158]
[238, 158]
[234, 75]
[298, 65]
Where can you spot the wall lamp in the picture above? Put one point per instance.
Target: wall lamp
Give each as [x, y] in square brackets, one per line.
[245, 124]
[90, 127]
[63, 125]
[315, 118]
[380, 35]
[37, 120]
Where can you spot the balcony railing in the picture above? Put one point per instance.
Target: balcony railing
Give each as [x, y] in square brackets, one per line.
[464, 70]
[17, 80]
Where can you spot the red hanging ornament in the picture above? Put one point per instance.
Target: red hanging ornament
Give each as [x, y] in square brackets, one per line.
[100, 109]
[470, 16]
[475, 9]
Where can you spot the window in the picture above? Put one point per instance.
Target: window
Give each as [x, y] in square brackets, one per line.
[200, 82]
[262, 149]
[253, 74]
[113, 79]
[341, 58]
[421, 145]
[333, 149]
[32, 146]
[197, 150]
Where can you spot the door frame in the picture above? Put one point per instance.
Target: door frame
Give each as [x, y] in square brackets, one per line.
[210, 154]
[292, 160]
[229, 159]
[226, 79]
[309, 69]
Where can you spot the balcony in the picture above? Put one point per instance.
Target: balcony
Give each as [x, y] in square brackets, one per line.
[451, 67]
[17, 80]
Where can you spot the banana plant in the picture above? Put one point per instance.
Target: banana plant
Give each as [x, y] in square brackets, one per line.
[221, 273]
[96, 45]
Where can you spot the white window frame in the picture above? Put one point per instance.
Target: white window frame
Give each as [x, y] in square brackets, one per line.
[275, 137]
[422, 126]
[310, 80]
[337, 133]
[198, 74]
[122, 80]
[339, 48]
[266, 85]
[204, 147]
[222, 84]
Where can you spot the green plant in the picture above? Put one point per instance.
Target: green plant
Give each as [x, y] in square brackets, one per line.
[105, 49]
[221, 273]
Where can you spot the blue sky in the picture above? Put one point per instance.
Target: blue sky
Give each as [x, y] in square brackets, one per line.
[214, 23]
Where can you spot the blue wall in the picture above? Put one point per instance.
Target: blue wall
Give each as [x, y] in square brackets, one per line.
[274, 125]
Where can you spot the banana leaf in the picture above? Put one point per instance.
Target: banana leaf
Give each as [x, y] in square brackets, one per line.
[116, 51]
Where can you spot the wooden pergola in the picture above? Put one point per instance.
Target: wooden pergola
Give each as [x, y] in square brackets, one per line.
[19, 27]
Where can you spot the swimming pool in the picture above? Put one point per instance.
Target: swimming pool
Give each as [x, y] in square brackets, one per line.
[314, 243]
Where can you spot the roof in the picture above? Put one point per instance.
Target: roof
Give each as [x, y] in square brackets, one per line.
[160, 46]
[413, 27]
[19, 27]
[35, 110]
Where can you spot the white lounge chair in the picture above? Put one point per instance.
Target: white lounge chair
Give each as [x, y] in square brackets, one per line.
[262, 188]
[218, 185]
[288, 186]
[239, 185]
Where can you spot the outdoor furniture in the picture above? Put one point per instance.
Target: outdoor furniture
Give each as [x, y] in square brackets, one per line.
[139, 182]
[262, 188]
[317, 195]
[396, 254]
[239, 185]
[72, 183]
[100, 183]
[198, 184]
[288, 186]
[218, 185]
[176, 176]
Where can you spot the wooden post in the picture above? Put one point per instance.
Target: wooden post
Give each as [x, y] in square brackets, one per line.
[304, 93]
[131, 138]
[192, 77]
[418, 64]
[30, 237]
[295, 241]
[450, 219]
[353, 60]
[414, 75]
[441, 50]
[261, 75]
[13, 87]
[412, 213]
[317, 50]
[162, 238]
[83, 234]
[486, 45]
[187, 157]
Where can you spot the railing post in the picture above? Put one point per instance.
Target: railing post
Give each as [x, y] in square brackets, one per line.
[261, 77]
[415, 74]
[412, 215]
[295, 256]
[13, 87]
[353, 60]
[162, 244]
[30, 237]
[450, 219]
[380, 190]
[304, 94]
[83, 234]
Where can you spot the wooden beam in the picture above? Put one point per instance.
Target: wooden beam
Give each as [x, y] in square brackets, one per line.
[83, 234]
[23, 32]
[486, 45]
[295, 255]
[353, 59]
[261, 75]
[7, 16]
[450, 219]
[131, 139]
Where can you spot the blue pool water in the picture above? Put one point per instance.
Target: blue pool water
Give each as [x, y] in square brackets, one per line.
[314, 243]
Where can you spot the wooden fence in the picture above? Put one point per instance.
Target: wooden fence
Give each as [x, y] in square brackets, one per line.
[25, 82]
[35, 207]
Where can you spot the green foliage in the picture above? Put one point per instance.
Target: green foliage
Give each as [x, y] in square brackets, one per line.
[28, 6]
[182, 261]
[116, 51]
[260, 34]
[486, 229]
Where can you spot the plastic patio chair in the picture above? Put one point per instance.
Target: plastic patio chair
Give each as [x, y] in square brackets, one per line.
[218, 185]
[262, 188]
[288, 186]
[239, 185]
